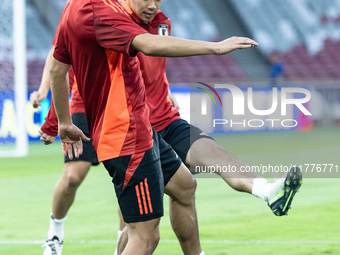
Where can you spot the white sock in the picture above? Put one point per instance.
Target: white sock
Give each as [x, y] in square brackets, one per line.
[56, 228]
[202, 253]
[261, 188]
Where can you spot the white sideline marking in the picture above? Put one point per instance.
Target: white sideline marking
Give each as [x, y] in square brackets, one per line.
[29, 242]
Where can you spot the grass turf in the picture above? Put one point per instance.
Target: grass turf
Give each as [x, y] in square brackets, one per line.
[230, 222]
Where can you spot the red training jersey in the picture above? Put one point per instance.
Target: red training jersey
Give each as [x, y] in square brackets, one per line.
[95, 38]
[153, 71]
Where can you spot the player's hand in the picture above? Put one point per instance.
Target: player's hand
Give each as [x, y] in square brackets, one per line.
[234, 43]
[47, 139]
[71, 137]
[36, 97]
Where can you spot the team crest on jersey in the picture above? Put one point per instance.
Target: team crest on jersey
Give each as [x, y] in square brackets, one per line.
[163, 30]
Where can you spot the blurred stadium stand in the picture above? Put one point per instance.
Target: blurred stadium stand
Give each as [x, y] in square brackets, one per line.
[39, 37]
[306, 33]
[202, 20]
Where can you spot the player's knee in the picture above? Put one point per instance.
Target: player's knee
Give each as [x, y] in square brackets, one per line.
[151, 244]
[187, 194]
[73, 180]
[150, 239]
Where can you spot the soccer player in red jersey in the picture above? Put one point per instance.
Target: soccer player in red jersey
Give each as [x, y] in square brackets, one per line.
[100, 40]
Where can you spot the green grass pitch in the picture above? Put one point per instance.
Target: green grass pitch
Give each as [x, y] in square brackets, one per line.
[230, 222]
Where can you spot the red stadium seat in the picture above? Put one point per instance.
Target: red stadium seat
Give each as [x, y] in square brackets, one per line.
[180, 70]
[299, 63]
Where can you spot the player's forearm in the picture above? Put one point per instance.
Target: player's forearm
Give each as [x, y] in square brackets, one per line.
[45, 80]
[167, 46]
[60, 91]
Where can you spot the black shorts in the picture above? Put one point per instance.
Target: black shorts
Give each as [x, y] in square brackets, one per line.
[89, 153]
[139, 180]
[181, 135]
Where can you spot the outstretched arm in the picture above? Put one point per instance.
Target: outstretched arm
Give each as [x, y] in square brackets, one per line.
[167, 46]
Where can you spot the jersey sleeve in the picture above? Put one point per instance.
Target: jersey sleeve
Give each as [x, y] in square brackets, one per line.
[50, 126]
[60, 52]
[115, 29]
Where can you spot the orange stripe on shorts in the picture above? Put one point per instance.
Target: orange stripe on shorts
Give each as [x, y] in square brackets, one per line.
[139, 201]
[144, 199]
[148, 194]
